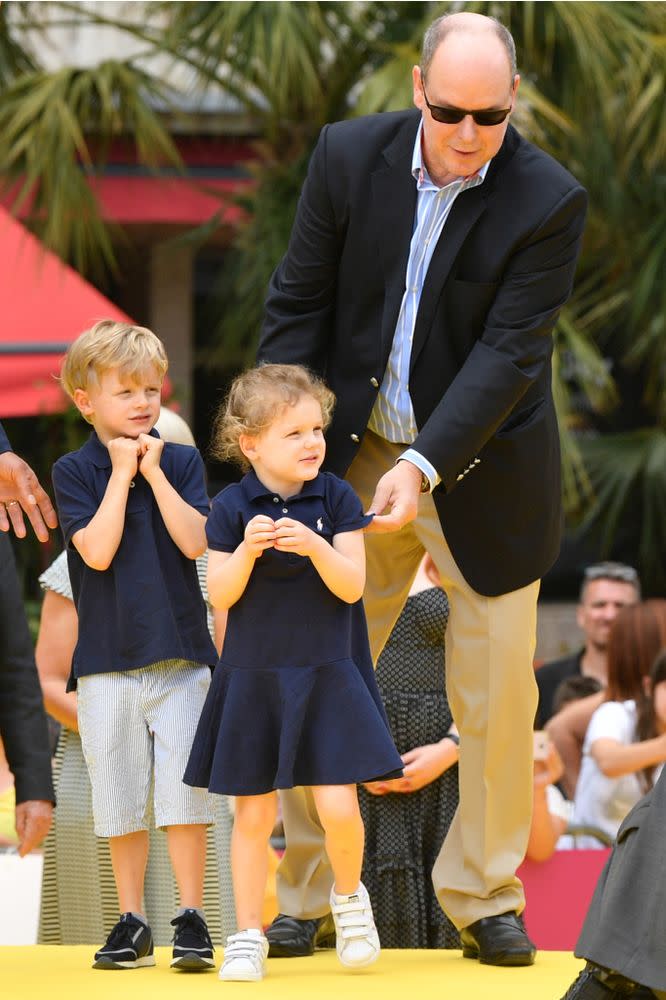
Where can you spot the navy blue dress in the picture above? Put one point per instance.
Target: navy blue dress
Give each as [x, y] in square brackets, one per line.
[293, 699]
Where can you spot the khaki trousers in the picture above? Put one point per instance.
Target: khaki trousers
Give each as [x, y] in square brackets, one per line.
[491, 688]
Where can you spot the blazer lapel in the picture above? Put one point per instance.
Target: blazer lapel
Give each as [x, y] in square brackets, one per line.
[467, 208]
[394, 204]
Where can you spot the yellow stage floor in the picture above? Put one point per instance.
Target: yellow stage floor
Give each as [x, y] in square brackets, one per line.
[64, 973]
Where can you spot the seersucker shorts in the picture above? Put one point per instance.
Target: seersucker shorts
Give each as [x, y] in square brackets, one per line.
[137, 728]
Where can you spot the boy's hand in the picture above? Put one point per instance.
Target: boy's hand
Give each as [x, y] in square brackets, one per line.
[293, 536]
[150, 453]
[259, 535]
[124, 454]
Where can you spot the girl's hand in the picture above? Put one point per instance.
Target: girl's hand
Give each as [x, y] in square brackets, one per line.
[293, 536]
[259, 535]
[124, 454]
[150, 453]
[382, 787]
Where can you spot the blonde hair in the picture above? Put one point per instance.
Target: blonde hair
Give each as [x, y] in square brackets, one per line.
[108, 345]
[256, 398]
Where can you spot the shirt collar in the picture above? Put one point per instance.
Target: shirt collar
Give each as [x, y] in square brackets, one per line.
[98, 453]
[422, 177]
[253, 488]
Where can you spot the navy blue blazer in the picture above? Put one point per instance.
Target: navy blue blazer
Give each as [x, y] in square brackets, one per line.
[480, 374]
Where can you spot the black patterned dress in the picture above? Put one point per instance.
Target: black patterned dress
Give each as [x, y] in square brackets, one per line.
[404, 832]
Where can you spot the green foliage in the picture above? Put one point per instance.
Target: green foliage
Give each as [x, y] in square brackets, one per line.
[591, 94]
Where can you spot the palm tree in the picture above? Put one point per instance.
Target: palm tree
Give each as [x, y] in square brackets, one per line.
[592, 97]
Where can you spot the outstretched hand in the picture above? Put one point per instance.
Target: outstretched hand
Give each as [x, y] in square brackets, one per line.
[396, 498]
[21, 492]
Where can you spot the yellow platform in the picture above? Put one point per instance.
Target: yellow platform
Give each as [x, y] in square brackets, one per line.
[64, 973]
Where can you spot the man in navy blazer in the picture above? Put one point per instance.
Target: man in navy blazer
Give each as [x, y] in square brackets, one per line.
[23, 726]
[431, 253]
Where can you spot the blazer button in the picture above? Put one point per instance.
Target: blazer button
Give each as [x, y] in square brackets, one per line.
[355, 438]
[374, 383]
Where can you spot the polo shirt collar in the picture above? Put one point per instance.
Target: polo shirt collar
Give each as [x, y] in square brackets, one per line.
[98, 453]
[253, 488]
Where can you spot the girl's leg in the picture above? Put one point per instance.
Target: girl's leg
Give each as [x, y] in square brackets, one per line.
[340, 816]
[187, 850]
[357, 941]
[254, 820]
[129, 857]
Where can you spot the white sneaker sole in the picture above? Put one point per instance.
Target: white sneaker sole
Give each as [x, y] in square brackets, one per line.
[249, 976]
[360, 964]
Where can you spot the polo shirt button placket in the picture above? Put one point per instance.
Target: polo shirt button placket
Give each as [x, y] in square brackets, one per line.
[285, 510]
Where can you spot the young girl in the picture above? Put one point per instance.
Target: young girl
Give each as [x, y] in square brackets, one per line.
[293, 699]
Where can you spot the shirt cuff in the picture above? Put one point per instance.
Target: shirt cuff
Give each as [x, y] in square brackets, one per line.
[428, 470]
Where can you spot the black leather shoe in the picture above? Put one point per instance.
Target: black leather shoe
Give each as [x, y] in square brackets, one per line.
[597, 983]
[289, 937]
[499, 940]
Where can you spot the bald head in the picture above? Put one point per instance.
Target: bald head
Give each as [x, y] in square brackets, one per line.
[474, 25]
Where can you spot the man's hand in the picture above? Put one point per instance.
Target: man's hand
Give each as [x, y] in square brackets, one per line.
[398, 493]
[33, 820]
[20, 491]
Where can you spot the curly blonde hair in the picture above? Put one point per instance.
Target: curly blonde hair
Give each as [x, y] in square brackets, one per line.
[256, 398]
[108, 345]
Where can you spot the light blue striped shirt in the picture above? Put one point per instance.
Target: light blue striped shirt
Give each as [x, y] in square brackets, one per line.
[392, 416]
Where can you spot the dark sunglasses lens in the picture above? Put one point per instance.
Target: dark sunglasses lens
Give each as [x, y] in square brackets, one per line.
[451, 116]
[489, 117]
[448, 116]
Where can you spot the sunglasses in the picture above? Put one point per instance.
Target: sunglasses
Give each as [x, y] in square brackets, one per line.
[451, 116]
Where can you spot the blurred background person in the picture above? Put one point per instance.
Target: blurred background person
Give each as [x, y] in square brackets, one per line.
[607, 587]
[626, 738]
[407, 819]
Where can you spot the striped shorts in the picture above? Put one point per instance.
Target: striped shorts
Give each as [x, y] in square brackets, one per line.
[137, 728]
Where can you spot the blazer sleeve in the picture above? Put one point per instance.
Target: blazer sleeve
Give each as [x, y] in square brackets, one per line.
[4, 441]
[301, 295]
[23, 725]
[515, 344]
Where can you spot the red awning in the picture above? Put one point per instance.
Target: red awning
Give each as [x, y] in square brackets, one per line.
[45, 305]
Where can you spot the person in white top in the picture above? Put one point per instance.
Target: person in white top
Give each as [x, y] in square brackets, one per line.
[625, 744]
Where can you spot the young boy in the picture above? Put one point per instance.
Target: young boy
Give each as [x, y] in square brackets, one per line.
[133, 511]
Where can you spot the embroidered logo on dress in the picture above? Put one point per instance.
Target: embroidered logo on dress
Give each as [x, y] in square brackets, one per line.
[320, 524]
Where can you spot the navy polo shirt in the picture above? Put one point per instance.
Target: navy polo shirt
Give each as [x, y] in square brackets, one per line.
[147, 606]
[286, 614]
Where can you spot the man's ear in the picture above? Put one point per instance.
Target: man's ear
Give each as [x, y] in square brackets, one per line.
[248, 445]
[417, 88]
[82, 402]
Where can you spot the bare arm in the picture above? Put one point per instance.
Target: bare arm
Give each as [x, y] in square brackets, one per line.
[567, 731]
[98, 542]
[340, 565]
[615, 759]
[229, 572]
[186, 525]
[546, 828]
[58, 630]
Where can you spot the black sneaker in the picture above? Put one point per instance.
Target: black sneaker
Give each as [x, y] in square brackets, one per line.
[128, 946]
[192, 946]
